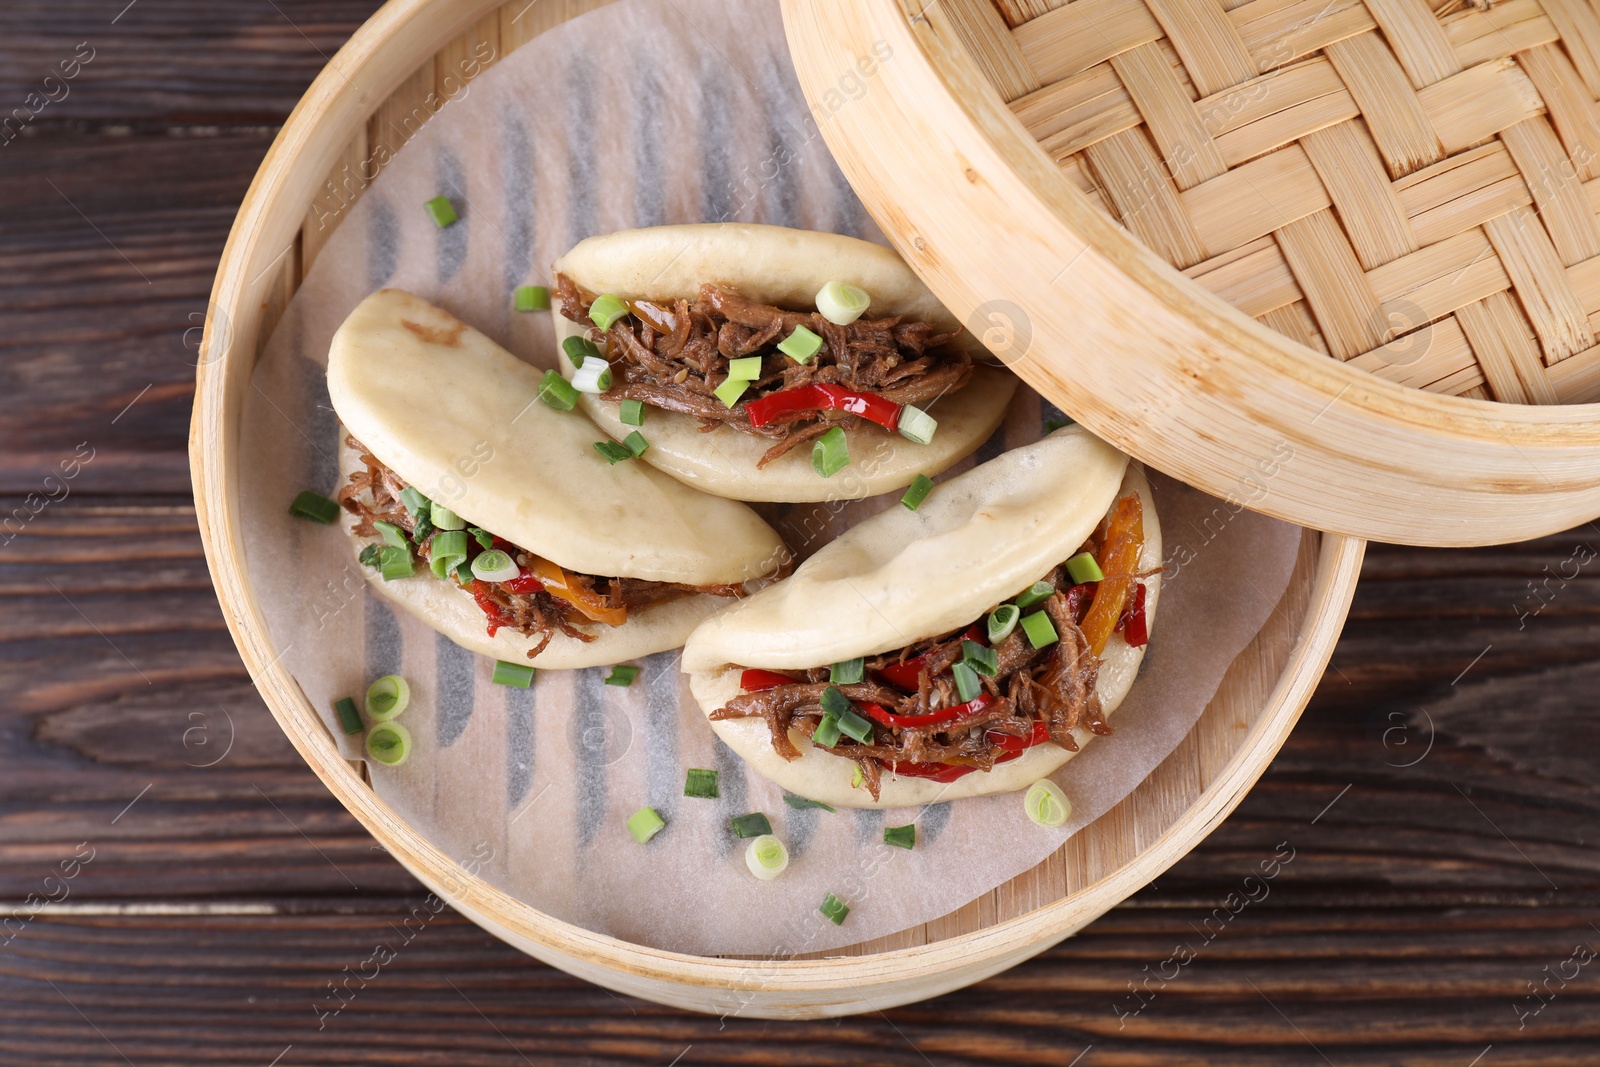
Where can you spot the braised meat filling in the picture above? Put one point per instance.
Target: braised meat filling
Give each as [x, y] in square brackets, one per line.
[542, 600]
[675, 355]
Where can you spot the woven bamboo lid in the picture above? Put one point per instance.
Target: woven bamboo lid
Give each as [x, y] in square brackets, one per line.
[1336, 260]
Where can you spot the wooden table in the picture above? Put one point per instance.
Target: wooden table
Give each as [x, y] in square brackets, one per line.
[1439, 796]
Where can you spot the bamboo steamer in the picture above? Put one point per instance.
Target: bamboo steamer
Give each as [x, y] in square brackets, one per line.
[1207, 228]
[388, 69]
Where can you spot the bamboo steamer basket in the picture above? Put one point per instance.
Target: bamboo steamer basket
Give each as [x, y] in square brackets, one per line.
[388, 69]
[1364, 228]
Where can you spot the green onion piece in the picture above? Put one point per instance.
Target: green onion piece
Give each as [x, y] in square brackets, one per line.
[441, 566]
[349, 717]
[449, 544]
[854, 724]
[387, 697]
[1040, 630]
[389, 743]
[441, 211]
[731, 390]
[593, 377]
[531, 298]
[622, 674]
[834, 909]
[766, 857]
[700, 783]
[917, 425]
[369, 555]
[315, 507]
[519, 675]
[1046, 804]
[1083, 568]
[463, 572]
[636, 444]
[645, 824]
[753, 825]
[830, 453]
[395, 561]
[745, 368]
[985, 661]
[901, 836]
[1002, 620]
[801, 346]
[848, 672]
[842, 304]
[917, 492]
[1034, 594]
[484, 538]
[834, 702]
[557, 392]
[445, 519]
[416, 504]
[857, 778]
[967, 684]
[631, 412]
[827, 733]
[613, 452]
[801, 803]
[495, 566]
[423, 527]
[579, 349]
[606, 310]
[392, 534]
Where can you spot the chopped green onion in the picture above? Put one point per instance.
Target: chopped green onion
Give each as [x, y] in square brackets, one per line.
[606, 310]
[448, 549]
[967, 684]
[1002, 620]
[495, 566]
[853, 724]
[636, 444]
[631, 412]
[392, 534]
[389, 743]
[463, 572]
[731, 390]
[901, 836]
[745, 368]
[830, 453]
[917, 425]
[349, 717]
[623, 674]
[395, 562]
[387, 697]
[369, 555]
[857, 778]
[842, 304]
[441, 566]
[519, 675]
[801, 803]
[557, 392]
[484, 538]
[531, 298]
[315, 507]
[1046, 804]
[1083, 568]
[1040, 630]
[700, 783]
[1034, 594]
[613, 452]
[827, 733]
[445, 519]
[917, 492]
[834, 702]
[985, 661]
[834, 908]
[848, 671]
[645, 824]
[416, 504]
[766, 857]
[753, 825]
[441, 211]
[593, 377]
[801, 346]
[579, 349]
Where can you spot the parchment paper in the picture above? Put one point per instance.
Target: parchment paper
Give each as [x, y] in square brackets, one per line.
[585, 131]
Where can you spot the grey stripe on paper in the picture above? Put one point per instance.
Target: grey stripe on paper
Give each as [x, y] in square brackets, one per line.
[717, 202]
[662, 777]
[586, 735]
[453, 684]
[383, 639]
[453, 239]
[517, 179]
[519, 744]
[383, 241]
[733, 796]
[649, 151]
[583, 173]
[932, 821]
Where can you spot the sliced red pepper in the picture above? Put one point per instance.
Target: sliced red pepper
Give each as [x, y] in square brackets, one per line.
[755, 680]
[523, 583]
[933, 718]
[1078, 599]
[905, 675]
[822, 396]
[947, 772]
[496, 615]
[1135, 626]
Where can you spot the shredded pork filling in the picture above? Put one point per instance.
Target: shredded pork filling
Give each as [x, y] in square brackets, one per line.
[674, 355]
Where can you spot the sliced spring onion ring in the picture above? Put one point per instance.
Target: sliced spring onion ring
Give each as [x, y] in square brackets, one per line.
[495, 566]
[731, 390]
[827, 733]
[834, 909]
[1046, 804]
[623, 674]
[369, 555]
[753, 825]
[484, 538]
[593, 377]
[445, 519]
[1002, 620]
[579, 349]
[801, 803]
[967, 684]
[557, 392]
[392, 534]
[848, 672]
[917, 425]
[1083, 568]
[389, 743]
[387, 697]
[855, 725]
[842, 304]
[1040, 630]
[917, 491]
[645, 824]
[606, 310]
[315, 507]
[701, 783]
[766, 857]
[349, 717]
[985, 661]
[416, 504]
[631, 412]
[448, 548]
[441, 211]
[801, 346]
[531, 298]
[613, 452]
[834, 702]
[636, 444]
[519, 675]
[745, 368]
[1034, 594]
[395, 562]
[830, 453]
[901, 836]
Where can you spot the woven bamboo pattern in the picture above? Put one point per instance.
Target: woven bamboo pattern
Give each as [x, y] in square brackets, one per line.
[1410, 189]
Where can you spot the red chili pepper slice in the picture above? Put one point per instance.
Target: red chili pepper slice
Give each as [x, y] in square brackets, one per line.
[933, 718]
[497, 617]
[1135, 626]
[822, 396]
[1078, 600]
[945, 772]
[905, 675]
[755, 680]
[523, 583]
